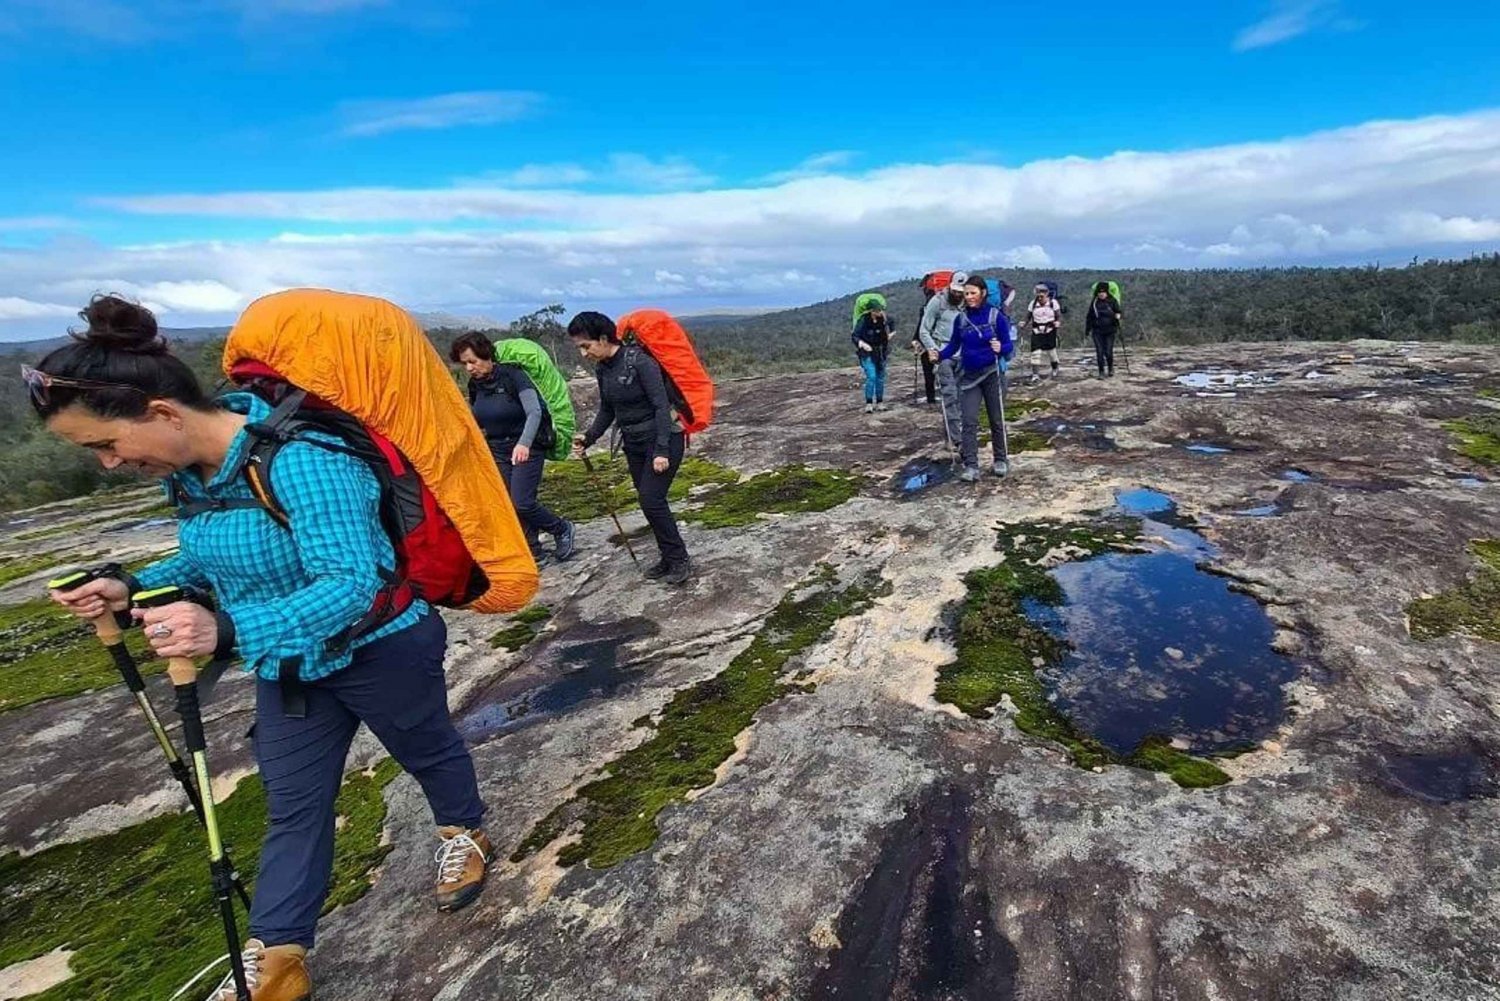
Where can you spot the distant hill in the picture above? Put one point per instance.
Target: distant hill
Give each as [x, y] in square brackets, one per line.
[1436, 300]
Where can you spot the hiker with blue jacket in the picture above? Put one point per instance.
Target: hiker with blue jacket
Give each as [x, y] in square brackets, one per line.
[517, 428]
[982, 343]
[872, 344]
[296, 603]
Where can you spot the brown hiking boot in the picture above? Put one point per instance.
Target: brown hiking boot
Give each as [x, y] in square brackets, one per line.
[461, 866]
[273, 973]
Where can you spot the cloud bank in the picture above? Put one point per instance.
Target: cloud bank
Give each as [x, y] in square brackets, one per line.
[1379, 191]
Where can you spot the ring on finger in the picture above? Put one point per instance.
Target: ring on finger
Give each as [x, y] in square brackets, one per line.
[161, 631]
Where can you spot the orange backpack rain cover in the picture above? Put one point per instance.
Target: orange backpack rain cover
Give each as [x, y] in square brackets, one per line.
[370, 358]
[673, 350]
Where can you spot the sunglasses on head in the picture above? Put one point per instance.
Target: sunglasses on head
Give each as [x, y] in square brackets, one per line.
[40, 384]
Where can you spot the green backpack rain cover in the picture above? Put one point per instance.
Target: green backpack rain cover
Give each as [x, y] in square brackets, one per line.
[1114, 290]
[863, 303]
[550, 384]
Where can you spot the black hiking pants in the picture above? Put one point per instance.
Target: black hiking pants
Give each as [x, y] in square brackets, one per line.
[651, 487]
[1104, 351]
[929, 377]
[522, 482]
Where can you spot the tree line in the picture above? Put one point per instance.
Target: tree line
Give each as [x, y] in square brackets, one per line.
[1433, 300]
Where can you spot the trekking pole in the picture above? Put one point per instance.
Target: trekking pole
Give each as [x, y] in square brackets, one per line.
[588, 465]
[184, 675]
[113, 638]
[1124, 351]
[1004, 435]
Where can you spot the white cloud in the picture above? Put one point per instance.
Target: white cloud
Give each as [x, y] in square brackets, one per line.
[814, 166]
[1291, 19]
[532, 175]
[443, 111]
[668, 173]
[29, 223]
[1379, 191]
[15, 308]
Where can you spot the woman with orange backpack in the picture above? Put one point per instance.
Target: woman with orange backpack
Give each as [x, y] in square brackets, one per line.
[633, 397]
[296, 603]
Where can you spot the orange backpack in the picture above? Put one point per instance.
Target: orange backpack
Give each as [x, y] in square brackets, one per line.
[688, 385]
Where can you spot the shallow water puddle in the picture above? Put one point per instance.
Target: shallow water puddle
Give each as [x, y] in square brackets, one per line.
[919, 474]
[1297, 476]
[1442, 776]
[1224, 380]
[1202, 448]
[1158, 647]
[588, 669]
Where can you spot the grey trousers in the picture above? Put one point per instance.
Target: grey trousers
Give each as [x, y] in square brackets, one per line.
[947, 377]
[986, 388]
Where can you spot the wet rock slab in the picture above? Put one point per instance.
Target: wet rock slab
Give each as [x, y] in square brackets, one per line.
[859, 835]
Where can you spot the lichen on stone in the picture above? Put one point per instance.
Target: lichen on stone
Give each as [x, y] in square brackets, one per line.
[1472, 608]
[613, 817]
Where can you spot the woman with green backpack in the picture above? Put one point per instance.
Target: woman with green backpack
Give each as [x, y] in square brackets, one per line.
[519, 430]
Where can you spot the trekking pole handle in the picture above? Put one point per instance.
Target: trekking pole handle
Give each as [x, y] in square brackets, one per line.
[182, 670]
[105, 627]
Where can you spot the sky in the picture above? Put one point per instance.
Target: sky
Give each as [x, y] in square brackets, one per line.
[483, 159]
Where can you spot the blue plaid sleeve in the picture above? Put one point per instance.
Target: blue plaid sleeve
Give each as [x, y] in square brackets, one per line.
[176, 569]
[332, 502]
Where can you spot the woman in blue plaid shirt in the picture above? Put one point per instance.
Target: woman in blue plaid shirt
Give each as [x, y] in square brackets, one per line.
[283, 595]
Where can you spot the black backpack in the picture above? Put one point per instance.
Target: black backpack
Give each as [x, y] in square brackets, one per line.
[507, 375]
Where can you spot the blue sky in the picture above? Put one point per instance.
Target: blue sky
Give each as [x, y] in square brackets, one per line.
[483, 159]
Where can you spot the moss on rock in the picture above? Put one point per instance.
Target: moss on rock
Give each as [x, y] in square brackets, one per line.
[45, 653]
[614, 817]
[1017, 409]
[136, 907]
[570, 491]
[522, 629]
[1472, 608]
[1000, 648]
[1478, 437]
[780, 491]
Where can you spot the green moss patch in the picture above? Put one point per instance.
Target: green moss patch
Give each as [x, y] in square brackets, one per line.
[615, 816]
[1017, 409]
[45, 653]
[136, 906]
[780, 491]
[1489, 394]
[1478, 437]
[522, 628]
[569, 490]
[1000, 647]
[1472, 608]
[1028, 441]
[15, 567]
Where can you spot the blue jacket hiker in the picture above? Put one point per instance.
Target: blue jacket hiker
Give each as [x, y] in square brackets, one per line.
[289, 599]
[872, 345]
[983, 343]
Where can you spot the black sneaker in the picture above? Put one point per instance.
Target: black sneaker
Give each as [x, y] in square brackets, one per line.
[657, 570]
[679, 573]
[563, 543]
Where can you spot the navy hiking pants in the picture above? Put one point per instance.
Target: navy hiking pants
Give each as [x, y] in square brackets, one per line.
[395, 687]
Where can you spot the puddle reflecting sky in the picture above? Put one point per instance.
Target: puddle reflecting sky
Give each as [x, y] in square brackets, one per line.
[1160, 647]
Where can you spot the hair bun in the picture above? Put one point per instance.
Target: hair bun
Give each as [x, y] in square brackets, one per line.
[121, 325]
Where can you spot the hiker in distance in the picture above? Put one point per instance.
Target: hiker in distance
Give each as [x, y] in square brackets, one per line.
[872, 344]
[1044, 317]
[935, 330]
[633, 396]
[982, 344]
[295, 605]
[1102, 323]
[518, 429]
